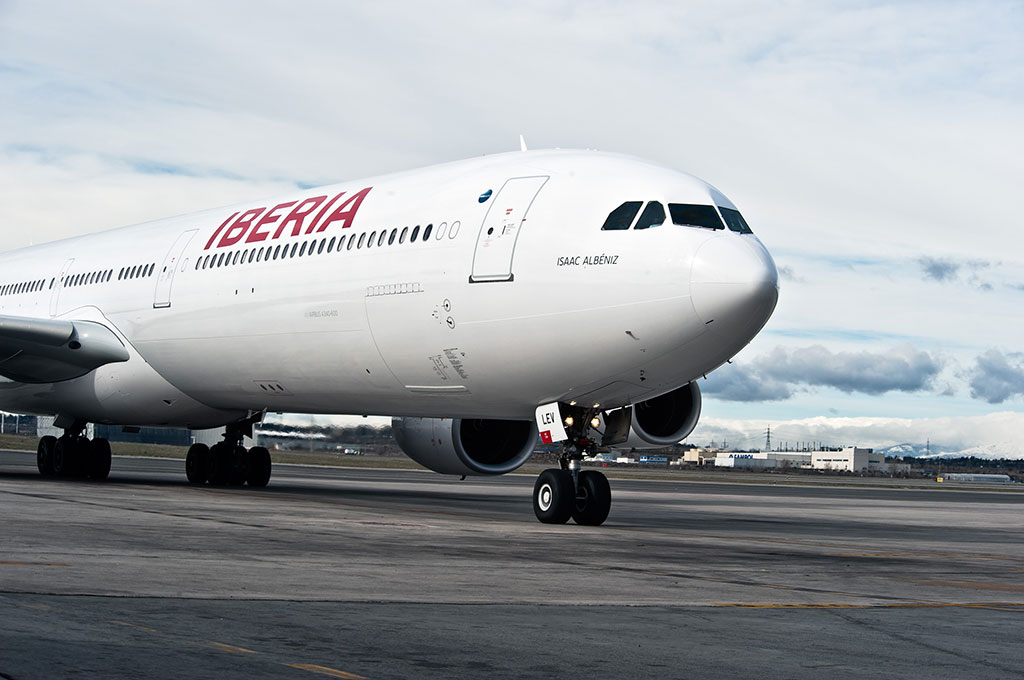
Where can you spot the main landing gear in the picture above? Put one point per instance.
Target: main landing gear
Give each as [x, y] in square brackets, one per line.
[568, 491]
[228, 463]
[73, 455]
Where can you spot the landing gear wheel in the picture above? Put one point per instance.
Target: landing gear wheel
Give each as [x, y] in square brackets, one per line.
[593, 499]
[219, 472]
[98, 460]
[67, 456]
[259, 466]
[238, 467]
[197, 463]
[553, 496]
[44, 456]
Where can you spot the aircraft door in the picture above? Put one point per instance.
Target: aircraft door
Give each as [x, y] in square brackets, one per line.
[162, 295]
[58, 284]
[496, 242]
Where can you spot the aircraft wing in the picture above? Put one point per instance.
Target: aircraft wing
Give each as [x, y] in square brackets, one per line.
[52, 350]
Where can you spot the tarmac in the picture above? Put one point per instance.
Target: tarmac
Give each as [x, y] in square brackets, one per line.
[369, 573]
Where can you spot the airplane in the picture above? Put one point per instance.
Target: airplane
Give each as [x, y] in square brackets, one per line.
[485, 304]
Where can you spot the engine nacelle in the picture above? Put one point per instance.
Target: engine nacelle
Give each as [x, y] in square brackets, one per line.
[667, 419]
[453, 446]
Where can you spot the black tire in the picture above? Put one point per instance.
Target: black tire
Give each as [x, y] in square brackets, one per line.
[44, 456]
[67, 456]
[197, 463]
[98, 460]
[238, 467]
[553, 496]
[219, 472]
[593, 499]
[259, 467]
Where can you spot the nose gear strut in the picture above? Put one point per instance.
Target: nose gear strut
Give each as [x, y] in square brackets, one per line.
[570, 491]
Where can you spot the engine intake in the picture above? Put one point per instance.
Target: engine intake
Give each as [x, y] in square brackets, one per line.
[453, 446]
[667, 419]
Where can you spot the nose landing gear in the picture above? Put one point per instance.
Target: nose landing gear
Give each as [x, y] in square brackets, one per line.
[568, 491]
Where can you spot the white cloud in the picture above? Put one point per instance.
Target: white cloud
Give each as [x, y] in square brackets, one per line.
[994, 434]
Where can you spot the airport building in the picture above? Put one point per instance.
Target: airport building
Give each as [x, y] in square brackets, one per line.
[763, 460]
[745, 460]
[850, 459]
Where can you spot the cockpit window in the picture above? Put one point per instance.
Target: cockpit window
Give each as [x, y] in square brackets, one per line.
[652, 216]
[622, 217]
[687, 215]
[735, 220]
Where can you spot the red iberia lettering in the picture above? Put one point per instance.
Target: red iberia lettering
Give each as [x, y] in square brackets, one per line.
[346, 212]
[254, 225]
[237, 230]
[299, 213]
[224, 224]
[309, 229]
[256, 235]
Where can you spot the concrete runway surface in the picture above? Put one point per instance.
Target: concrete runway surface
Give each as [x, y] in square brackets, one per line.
[349, 573]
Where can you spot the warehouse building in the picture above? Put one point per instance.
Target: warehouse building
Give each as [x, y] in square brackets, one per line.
[850, 459]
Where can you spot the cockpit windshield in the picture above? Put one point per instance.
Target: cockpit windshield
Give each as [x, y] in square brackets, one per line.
[688, 215]
[735, 220]
[652, 216]
[622, 217]
[683, 214]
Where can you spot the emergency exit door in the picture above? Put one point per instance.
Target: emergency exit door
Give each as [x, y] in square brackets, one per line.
[496, 242]
[162, 294]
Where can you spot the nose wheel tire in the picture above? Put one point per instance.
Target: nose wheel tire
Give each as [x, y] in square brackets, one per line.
[553, 496]
[593, 499]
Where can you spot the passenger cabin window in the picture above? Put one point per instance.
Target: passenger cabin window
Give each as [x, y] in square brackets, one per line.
[652, 216]
[622, 217]
[734, 220]
[704, 216]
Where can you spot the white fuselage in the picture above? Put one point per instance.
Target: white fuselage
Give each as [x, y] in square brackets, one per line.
[514, 301]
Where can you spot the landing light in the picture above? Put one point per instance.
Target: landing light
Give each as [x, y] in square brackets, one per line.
[569, 421]
[595, 421]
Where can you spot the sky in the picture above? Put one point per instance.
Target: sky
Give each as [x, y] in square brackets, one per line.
[876, 148]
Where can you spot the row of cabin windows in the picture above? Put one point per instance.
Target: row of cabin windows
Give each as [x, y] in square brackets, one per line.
[316, 246]
[87, 278]
[23, 287]
[138, 271]
[84, 279]
[683, 214]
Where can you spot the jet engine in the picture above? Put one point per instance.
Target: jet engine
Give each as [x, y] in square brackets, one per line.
[455, 446]
[667, 419]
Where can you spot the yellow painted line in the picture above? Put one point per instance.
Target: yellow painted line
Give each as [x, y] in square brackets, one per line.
[135, 625]
[972, 585]
[33, 564]
[811, 544]
[324, 670]
[923, 554]
[894, 605]
[223, 647]
[41, 607]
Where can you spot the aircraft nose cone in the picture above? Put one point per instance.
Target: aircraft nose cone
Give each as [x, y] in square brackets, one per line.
[734, 286]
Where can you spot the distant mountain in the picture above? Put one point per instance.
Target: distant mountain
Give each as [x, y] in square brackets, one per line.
[987, 451]
[992, 435]
[900, 450]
